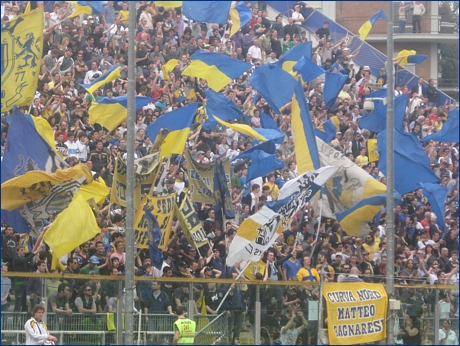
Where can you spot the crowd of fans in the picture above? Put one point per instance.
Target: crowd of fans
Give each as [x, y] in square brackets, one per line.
[80, 49]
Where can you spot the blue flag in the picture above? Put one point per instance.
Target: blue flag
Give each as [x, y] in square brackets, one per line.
[416, 58]
[267, 122]
[222, 192]
[275, 135]
[330, 130]
[437, 195]
[332, 85]
[262, 164]
[269, 147]
[308, 69]
[207, 11]
[25, 150]
[411, 165]
[154, 237]
[449, 131]
[221, 106]
[376, 120]
[267, 79]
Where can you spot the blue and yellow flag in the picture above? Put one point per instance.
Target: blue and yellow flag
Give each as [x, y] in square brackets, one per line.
[267, 79]
[240, 15]
[44, 128]
[110, 112]
[365, 29]
[26, 150]
[207, 11]
[21, 49]
[175, 140]
[308, 69]
[83, 227]
[86, 7]
[409, 57]
[304, 137]
[329, 129]
[293, 55]
[354, 220]
[178, 123]
[218, 69]
[110, 75]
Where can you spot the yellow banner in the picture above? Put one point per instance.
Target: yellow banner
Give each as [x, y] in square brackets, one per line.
[143, 181]
[201, 180]
[22, 46]
[372, 150]
[191, 226]
[356, 312]
[254, 268]
[163, 209]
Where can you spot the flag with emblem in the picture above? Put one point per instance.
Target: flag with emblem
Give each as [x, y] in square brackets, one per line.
[21, 50]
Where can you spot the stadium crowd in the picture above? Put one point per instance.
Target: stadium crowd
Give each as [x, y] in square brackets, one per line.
[79, 50]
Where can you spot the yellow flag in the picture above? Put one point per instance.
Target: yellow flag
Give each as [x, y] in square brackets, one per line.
[22, 46]
[74, 226]
[45, 130]
[35, 185]
[168, 4]
[245, 129]
[168, 67]
[97, 190]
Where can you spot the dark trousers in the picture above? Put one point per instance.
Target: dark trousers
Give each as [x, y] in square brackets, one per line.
[20, 302]
[415, 22]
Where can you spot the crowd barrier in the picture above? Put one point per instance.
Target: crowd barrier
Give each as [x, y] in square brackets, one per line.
[265, 302]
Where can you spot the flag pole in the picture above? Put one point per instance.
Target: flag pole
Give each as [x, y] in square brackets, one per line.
[237, 278]
[129, 275]
[319, 219]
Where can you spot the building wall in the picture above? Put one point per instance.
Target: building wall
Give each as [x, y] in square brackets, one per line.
[353, 14]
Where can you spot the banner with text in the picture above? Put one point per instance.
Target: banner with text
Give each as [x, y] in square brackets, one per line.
[144, 172]
[191, 226]
[356, 312]
[201, 180]
[163, 209]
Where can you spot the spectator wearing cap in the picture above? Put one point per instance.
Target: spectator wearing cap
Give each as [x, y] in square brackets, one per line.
[216, 261]
[183, 270]
[91, 266]
[66, 63]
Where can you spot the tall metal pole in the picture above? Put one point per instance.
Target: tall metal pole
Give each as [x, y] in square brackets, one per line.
[390, 174]
[129, 272]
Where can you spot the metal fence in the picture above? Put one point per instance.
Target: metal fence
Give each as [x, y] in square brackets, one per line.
[256, 321]
[100, 329]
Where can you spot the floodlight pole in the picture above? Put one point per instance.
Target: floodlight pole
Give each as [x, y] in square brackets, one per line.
[129, 226]
[390, 174]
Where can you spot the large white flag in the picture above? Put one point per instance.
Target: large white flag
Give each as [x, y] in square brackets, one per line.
[257, 233]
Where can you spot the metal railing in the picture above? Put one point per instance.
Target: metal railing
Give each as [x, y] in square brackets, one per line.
[95, 328]
[435, 24]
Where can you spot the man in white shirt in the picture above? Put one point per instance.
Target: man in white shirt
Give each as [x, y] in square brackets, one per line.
[419, 11]
[255, 51]
[89, 77]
